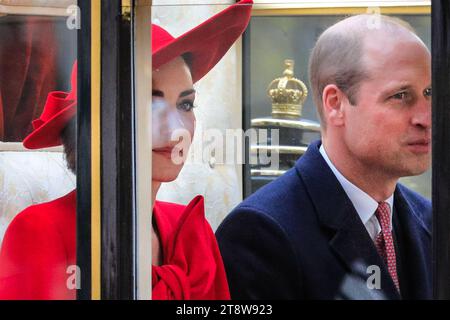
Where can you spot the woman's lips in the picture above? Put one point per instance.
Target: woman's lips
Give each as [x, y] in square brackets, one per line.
[420, 146]
[168, 152]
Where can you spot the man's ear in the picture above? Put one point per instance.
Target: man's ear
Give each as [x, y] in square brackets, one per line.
[333, 106]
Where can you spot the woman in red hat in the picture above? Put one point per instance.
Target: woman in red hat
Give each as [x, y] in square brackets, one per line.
[39, 244]
[186, 260]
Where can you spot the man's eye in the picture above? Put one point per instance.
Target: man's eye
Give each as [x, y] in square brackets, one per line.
[400, 95]
[427, 92]
[186, 105]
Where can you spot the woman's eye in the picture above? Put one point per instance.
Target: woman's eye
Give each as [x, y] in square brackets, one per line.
[186, 106]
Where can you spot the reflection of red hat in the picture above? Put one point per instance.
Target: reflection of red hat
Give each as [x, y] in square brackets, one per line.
[207, 43]
[59, 108]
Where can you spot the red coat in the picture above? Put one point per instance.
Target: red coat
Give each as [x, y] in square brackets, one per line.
[39, 246]
[192, 265]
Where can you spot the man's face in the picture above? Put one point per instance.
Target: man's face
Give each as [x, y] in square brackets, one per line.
[389, 129]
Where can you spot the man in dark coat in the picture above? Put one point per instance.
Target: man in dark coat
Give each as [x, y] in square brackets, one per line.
[339, 225]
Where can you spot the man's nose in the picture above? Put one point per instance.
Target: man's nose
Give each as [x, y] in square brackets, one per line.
[422, 113]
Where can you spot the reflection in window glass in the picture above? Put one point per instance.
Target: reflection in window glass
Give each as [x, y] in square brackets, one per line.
[37, 154]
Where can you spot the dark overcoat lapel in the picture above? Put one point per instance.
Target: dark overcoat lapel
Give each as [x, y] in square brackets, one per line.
[415, 245]
[351, 242]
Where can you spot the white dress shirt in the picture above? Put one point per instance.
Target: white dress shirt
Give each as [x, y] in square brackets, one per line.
[364, 204]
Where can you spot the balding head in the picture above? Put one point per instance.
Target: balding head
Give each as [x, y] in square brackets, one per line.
[339, 56]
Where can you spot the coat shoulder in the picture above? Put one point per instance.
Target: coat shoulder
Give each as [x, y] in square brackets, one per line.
[47, 216]
[420, 205]
[287, 190]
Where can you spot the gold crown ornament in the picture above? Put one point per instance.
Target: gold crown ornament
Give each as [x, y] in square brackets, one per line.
[287, 93]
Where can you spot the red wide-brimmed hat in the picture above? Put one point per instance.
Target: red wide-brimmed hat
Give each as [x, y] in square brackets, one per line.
[59, 108]
[207, 43]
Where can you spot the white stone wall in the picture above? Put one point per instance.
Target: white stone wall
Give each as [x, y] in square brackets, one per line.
[219, 105]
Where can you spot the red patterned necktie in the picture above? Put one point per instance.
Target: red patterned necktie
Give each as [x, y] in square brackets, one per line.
[384, 241]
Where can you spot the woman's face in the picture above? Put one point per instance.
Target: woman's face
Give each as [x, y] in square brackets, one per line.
[173, 120]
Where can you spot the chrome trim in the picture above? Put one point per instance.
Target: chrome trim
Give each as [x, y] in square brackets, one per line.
[285, 123]
[279, 149]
